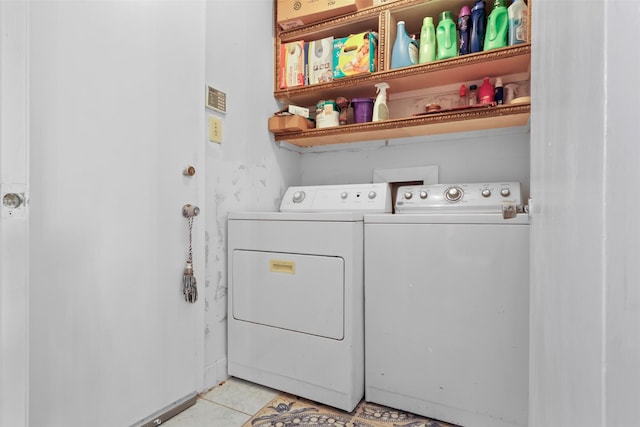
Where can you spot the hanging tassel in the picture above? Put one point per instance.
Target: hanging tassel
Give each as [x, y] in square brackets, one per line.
[189, 288]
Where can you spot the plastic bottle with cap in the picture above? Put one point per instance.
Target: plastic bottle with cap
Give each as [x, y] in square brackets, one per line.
[464, 30]
[427, 41]
[462, 100]
[446, 36]
[405, 51]
[473, 95]
[497, 26]
[498, 96]
[478, 26]
[486, 94]
[380, 108]
[518, 22]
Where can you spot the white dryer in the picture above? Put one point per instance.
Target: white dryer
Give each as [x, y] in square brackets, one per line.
[295, 313]
[447, 304]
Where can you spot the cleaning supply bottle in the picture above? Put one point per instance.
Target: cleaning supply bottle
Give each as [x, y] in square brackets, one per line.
[446, 36]
[380, 108]
[518, 22]
[464, 30]
[486, 92]
[473, 95]
[478, 26]
[405, 52]
[498, 94]
[497, 26]
[427, 41]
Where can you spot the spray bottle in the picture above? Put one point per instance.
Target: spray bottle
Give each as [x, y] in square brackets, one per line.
[380, 108]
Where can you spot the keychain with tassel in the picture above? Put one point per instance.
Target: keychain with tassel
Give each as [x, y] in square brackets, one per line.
[189, 288]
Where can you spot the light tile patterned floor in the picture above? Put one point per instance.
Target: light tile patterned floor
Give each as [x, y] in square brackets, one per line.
[230, 404]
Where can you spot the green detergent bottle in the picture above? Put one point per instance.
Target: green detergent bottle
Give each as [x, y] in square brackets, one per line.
[447, 36]
[497, 26]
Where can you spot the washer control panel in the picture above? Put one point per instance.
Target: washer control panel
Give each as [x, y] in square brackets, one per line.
[375, 198]
[462, 198]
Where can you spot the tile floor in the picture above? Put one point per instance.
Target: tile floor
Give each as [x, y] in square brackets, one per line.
[229, 404]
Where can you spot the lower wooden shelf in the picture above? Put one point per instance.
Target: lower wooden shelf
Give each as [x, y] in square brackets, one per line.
[429, 124]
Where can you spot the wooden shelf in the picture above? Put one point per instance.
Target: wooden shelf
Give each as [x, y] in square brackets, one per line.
[475, 66]
[429, 124]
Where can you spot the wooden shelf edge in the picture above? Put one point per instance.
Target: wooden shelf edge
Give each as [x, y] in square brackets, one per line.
[432, 124]
[512, 59]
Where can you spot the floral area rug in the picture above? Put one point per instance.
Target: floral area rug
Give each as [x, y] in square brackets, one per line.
[290, 411]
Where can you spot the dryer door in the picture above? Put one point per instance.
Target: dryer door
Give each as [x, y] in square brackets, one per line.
[301, 293]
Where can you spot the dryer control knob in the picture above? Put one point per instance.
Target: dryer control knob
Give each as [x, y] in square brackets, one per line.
[298, 196]
[344, 195]
[505, 192]
[423, 194]
[486, 192]
[453, 194]
[372, 195]
[408, 195]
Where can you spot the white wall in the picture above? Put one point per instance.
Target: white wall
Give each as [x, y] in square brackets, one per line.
[248, 171]
[585, 309]
[497, 155]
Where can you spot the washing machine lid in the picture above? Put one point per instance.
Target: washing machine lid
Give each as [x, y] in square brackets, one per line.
[446, 218]
[297, 216]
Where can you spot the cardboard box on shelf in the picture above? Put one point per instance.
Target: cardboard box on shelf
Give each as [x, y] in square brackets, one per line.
[292, 64]
[320, 60]
[355, 54]
[296, 13]
[288, 123]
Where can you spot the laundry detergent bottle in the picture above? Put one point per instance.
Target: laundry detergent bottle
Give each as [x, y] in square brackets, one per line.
[518, 22]
[497, 26]
[427, 41]
[478, 26]
[446, 36]
[405, 51]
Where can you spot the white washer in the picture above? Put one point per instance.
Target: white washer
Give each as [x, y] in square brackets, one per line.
[296, 320]
[447, 304]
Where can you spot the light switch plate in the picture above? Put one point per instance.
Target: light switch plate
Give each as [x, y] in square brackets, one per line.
[215, 129]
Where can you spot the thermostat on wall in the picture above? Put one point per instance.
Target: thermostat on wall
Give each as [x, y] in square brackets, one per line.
[216, 100]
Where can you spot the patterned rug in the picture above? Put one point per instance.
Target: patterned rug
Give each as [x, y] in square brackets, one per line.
[290, 411]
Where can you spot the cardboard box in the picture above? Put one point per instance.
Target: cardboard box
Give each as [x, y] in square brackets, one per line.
[292, 64]
[320, 60]
[289, 123]
[295, 13]
[355, 54]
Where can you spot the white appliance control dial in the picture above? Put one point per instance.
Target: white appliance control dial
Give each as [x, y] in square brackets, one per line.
[458, 198]
[374, 198]
[454, 194]
[298, 196]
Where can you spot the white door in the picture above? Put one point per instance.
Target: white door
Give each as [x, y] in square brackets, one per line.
[13, 216]
[115, 114]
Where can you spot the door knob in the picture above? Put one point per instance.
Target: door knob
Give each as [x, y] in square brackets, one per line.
[189, 211]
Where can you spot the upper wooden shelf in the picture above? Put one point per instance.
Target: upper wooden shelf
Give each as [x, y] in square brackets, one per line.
[475, 66]
[428, 124]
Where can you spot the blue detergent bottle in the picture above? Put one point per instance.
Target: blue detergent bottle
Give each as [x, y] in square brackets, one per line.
[405, 50]
[478, 26]
[497, 26]
[446, 36]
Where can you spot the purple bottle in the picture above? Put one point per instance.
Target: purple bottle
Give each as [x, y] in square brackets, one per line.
[478, 26]
[464, 30]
